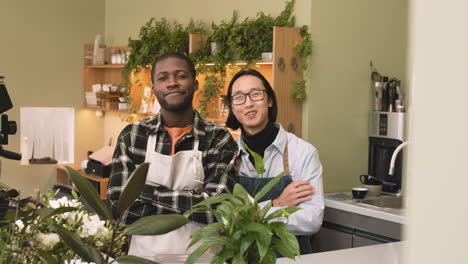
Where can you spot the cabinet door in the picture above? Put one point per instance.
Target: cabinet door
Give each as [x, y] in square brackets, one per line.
[363, 238]
[333, 237]
[359, 241]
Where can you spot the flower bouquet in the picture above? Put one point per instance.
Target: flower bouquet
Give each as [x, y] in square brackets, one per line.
[51, 230]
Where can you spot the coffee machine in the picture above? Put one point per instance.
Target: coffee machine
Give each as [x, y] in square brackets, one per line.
[386, 133]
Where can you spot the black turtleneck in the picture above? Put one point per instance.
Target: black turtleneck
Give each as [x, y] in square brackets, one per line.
[260, 141]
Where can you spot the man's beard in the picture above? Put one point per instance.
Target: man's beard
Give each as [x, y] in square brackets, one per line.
[178, 107]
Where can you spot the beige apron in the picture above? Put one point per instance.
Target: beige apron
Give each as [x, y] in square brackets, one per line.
[183, 171]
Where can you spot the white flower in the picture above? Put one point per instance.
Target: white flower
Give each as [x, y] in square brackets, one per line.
[93, 226]
[64, 202]
[47, 241]
[251, 199]
[19, 224]
[225, 222]
[74, 217]
[99, 244]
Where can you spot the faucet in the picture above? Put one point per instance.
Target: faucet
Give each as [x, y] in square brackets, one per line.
[392, 161]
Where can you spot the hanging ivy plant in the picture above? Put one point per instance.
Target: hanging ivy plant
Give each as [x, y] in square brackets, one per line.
[244, 41]
[304, 50]
[155, 38]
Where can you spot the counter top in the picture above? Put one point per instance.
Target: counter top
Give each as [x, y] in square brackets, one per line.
[389, 253]
[344, 202]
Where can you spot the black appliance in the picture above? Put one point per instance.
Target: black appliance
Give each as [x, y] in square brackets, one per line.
[386, 133]
[97, 168]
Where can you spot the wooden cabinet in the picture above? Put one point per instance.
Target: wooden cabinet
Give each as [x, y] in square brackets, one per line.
[281, 71]
[63, 181]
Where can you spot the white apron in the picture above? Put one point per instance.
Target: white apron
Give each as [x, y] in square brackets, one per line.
[183, 171]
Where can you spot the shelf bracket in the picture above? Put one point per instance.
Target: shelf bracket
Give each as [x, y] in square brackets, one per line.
[281, 63]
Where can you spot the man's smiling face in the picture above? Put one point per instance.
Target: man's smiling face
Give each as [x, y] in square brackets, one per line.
[174, 85]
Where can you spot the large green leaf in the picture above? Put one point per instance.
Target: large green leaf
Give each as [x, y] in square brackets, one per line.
[239, 191]
[283, 212]
[46, 257]
[156, 224]
[284, 248]
[133, 260]
[97, 255]
[207, 243]
[75, 243]
[133, 188]
[259, 165]
[196, 254]
[289, 239]
[196, 209]
[270, 257]
[48, 212]
[238, 259]
[268, 187]
[247, 242]
[204, 231]
[263, 240]
[214, 199]
[264, 211]
[89, 193]
[222, 256]
[257, 227]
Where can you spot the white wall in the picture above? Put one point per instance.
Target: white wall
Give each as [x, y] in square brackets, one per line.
[438, 206]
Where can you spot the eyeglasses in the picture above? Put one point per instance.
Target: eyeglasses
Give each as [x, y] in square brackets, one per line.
[255, 95]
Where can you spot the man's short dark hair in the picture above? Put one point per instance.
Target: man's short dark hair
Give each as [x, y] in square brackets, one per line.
[177, 55]
[232, 121]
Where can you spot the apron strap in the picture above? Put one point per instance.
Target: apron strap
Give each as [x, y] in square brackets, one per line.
[286, 160]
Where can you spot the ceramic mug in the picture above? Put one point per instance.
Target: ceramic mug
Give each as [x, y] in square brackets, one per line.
[369, 180]
[373, 190]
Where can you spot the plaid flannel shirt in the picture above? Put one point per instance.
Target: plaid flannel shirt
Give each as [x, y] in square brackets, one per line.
[218, 154]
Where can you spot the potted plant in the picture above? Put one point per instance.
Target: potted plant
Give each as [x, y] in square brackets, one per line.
[244, 233]
[34, 232]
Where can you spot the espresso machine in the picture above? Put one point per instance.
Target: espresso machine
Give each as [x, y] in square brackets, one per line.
[386, 133]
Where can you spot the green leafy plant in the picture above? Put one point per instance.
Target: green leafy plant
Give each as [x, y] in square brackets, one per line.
[304, 50]
[27, 234]
[243, 231]
[155, 38]
[242, 41]
[234, 41]
[150, 225]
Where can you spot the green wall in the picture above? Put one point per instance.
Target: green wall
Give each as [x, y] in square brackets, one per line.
[41, 47]
[41, 56]
[346, 35]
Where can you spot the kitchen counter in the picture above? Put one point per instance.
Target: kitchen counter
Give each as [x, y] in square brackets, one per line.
[389, 253]
[344, 202]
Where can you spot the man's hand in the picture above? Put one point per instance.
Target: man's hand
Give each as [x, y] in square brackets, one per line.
[295, 193]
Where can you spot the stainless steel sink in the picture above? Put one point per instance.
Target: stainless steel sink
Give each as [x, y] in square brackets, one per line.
[385, 202]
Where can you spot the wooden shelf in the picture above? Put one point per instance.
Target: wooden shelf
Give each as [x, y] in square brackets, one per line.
[107, 110]
[105, 66]
[64, 181]
[239, 62]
